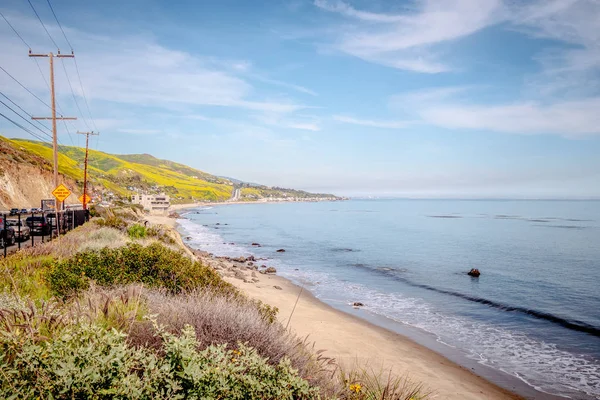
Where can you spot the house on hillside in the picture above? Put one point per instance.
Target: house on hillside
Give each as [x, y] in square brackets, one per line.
[154, 203]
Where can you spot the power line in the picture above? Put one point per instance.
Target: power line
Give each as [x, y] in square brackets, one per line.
[87, 105]
[73, 93]
[26, 113]
[23, 86]
[15, 31]
[23, 128]
[48, 86]
[84, 96]
[24, 119]
[42, 22]
[59, 25]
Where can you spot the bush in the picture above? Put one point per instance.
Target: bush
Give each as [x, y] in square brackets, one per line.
[88, 361]
[136, 231]
[154, 265]
[112, 222]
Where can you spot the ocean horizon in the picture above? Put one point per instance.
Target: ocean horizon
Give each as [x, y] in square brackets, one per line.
[533, 315]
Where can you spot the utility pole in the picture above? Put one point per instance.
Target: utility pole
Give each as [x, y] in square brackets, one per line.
[87, 139]
[53, 102]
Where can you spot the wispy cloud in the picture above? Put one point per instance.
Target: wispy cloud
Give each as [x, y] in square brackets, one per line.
[372, 123]
[141, 131]
[136, 71]
[454, 108]
[298, 122]
[408, 40]
[569, 118]
[569, 70]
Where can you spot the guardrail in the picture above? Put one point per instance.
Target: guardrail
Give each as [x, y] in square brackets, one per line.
[30, 229]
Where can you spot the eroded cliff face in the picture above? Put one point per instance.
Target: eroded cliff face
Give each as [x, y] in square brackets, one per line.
[26, 179]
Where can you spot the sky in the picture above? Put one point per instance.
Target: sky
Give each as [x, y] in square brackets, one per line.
[416, 98]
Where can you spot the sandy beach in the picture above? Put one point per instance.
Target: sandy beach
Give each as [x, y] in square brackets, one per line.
[349, 339]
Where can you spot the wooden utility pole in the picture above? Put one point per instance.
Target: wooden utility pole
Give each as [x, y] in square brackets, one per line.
[53, 103]
[87, 139]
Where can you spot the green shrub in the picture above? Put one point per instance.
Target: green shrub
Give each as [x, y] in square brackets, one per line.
[161, 234]
[136, 231]
[88, 361]
[112, 222]
[154, 265]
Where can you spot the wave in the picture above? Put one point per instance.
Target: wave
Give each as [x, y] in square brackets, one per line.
[575, 325]
[498, 347]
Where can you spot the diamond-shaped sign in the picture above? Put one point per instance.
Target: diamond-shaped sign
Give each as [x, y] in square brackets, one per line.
[61, 192]
[87, 199]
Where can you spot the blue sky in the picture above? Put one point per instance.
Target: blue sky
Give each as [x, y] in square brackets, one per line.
[420, 98]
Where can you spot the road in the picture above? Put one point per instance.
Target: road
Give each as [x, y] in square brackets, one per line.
[235, 196]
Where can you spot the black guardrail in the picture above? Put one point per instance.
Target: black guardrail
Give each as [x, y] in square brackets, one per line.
[20, 230]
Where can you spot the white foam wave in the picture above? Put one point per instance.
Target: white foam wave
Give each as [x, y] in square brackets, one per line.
[541, 365]
[203, 238]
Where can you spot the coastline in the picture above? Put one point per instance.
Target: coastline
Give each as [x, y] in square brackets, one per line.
[350, 339]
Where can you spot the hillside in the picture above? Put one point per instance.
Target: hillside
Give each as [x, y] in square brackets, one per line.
[26, 178]
[119, 176]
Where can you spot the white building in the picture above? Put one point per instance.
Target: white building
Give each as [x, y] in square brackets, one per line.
[155, 203]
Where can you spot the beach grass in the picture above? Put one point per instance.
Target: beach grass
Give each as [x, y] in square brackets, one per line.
[108, 312]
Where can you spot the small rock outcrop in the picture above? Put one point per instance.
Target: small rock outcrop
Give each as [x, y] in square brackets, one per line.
[256, 244]
[474, 272]
[277, 287]
[281, 251]
[270, 270]
[357, 304]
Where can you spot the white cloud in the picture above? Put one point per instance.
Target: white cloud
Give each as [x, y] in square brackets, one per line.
[301, 123]
[571, 69]
[132, 70]
[372, 123]
[407, 41]
[141, 131]
[567, 118]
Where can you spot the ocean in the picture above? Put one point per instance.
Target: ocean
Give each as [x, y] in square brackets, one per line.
[533, 315]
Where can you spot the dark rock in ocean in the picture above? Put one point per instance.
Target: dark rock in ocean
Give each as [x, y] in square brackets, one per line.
[343, 249]
[296, 269]
[357, 304]
[188, 238]
[232, 243]
[277, 287]
[474, 272]
[251, 258]
[217, 223]
[270, 270]
[281, 251]
[256, 244]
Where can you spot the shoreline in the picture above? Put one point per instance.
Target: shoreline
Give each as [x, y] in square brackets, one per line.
[353, 339]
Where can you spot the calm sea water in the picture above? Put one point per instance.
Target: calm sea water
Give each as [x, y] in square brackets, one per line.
[534, 313]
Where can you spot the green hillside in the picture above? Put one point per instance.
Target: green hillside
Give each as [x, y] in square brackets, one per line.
[124, 175]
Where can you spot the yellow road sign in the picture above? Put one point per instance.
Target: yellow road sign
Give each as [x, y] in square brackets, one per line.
[87, 199]
[61, 192]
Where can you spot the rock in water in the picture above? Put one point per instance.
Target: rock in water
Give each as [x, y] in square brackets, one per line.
[256, 244]
[474, 272]
[281, 251]
[357, 304]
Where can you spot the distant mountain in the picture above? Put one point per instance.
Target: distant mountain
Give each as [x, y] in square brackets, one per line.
[123, 175]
